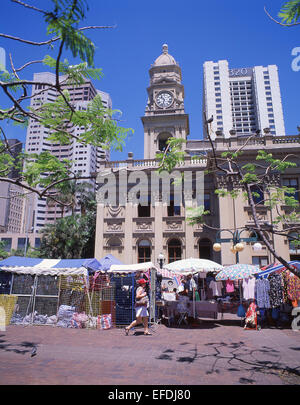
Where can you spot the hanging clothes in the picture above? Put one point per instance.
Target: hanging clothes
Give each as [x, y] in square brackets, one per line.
[262, 290]
[248, 288]
[276, 295]
[285, 295]
[216, 287]
[229, 286]
[293, 286]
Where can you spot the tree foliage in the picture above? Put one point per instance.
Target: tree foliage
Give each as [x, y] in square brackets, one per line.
[41, 172]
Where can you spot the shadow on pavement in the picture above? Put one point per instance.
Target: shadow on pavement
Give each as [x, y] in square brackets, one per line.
[8, 347]
[238, 357]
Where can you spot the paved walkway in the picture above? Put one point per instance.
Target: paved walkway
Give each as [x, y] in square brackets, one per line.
[215, 352]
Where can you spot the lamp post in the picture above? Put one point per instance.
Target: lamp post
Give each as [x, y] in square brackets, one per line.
[237, 245]
[236, 239]
[161, 260]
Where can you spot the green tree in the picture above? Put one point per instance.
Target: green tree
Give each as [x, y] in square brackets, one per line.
[68, 195]
[289, 14]
[3, 253]
[73, 236]
[59, 117]
[252, 176]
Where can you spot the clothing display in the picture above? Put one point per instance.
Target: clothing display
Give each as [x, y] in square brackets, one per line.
[262, 290]
[293, 286]
[229, 286]
[248, 288]
[276, 295]
[216, 287]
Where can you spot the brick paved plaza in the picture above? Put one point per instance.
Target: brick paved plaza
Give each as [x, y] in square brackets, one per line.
[215, 352]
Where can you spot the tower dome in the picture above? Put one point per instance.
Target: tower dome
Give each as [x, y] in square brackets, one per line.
[165, 58]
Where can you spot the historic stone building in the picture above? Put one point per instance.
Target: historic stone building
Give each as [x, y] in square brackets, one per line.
[144, 221]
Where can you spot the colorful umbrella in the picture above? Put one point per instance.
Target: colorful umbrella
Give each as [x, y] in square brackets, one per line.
[237, 272]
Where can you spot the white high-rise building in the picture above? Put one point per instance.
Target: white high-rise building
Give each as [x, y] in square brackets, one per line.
[86, 158]
[244, 100]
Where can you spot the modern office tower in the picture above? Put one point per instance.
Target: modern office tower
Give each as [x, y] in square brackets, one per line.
[86, 158]
[11, 201]
[245, 100]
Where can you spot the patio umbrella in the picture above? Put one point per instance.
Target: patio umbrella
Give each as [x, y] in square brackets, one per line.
[237, 272]
[193, 265]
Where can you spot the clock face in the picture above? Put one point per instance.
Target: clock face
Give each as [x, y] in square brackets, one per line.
[164, 100]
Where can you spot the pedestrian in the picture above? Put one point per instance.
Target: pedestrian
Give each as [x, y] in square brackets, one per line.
[190, 286]
[141, 305]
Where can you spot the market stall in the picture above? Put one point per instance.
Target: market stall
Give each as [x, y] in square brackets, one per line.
[193, 273]
[124, 278]
[42, 286]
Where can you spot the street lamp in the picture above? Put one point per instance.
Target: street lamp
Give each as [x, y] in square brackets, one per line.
[236, 239]
[161, 260]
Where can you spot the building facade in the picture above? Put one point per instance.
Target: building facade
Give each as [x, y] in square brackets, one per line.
[243, 100]
[11, 200]
[136, 229]
[86, 158]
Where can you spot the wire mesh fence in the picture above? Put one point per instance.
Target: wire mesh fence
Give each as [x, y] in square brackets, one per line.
[98, 301]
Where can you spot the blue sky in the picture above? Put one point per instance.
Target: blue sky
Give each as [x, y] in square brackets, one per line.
[195, 31]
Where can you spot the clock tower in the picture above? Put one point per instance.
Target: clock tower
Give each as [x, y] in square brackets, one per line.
[164, 114]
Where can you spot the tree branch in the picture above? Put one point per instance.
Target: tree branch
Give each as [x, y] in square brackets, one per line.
[278, 22]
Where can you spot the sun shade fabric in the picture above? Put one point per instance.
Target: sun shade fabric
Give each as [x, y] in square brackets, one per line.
[193, 265]
[277, 267]
[128, 268]
[53, 267]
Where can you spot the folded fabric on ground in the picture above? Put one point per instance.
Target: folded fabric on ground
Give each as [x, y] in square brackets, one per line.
[65, 316]
[35, 319]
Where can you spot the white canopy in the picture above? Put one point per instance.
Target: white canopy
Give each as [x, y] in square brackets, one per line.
[130, 268]
[44, 271]
[193, 265]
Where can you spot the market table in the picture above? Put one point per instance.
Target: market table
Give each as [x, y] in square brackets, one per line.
[203, 309]
[229, 307]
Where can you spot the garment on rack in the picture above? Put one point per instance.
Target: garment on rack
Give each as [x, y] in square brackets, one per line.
[262, 289]
[229, 286]
[248, 288]
[276, 296]
[285, 296]
[216, 287]
[293, 286]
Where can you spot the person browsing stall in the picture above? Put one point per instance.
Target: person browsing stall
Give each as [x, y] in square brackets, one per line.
[141, 308]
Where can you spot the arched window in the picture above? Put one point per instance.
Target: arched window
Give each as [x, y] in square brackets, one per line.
[256, 235]
[114, 242]
[174, 250]
[205, 249]
[144, 251]
[162, 140]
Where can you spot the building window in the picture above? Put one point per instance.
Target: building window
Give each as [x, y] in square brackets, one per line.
[257, 195]
[260, 261]
[114, 242]
[205, 249]
[21, 243]
[37, 243]
[173, 210]
[174, 250]
[293, 238]
[7, 244]
[292, 183]
[144, 251]
[144, 210]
